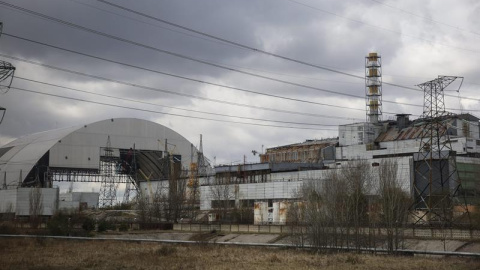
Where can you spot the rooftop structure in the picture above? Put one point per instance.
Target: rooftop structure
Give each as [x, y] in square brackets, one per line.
[310, 151]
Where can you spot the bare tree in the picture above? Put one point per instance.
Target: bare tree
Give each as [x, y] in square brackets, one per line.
[296, 211]
[357, 176]
[143, 207]
[36, 206]
[222, 194]
[336, 207]
[393, 202]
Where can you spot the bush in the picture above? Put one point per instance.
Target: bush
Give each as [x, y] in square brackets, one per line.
[59, 225]
[7, 228]
[123, 227]
[104, 225]
[88, 224]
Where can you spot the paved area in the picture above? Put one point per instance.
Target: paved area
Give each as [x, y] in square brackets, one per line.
[415, 244]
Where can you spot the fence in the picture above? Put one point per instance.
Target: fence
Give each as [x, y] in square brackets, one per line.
[430, 233]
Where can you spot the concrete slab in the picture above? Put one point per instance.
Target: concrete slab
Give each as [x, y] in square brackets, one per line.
[158, 236]
[470, 247]
[250, 238]
[433, 245]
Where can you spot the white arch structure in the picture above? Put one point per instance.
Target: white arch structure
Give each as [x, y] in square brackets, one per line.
[79, 148]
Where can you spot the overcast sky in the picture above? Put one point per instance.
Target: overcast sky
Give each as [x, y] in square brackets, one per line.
[418, 40]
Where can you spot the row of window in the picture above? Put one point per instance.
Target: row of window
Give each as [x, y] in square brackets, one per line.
[292, 156]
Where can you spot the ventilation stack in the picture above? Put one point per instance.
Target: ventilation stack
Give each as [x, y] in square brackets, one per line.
[373, 87]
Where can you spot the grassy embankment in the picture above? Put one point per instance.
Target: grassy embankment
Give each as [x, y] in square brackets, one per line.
[62, 254]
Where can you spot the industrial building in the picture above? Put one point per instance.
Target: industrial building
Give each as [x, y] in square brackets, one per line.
[111, 152]
[437, 157]
[269, 187]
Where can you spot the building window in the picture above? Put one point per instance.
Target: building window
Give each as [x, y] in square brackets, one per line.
[360, 136]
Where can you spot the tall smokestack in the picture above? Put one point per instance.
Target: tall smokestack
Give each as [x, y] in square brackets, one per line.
[373, 87]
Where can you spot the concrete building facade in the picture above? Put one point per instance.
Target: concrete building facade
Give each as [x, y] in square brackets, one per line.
[395, 140]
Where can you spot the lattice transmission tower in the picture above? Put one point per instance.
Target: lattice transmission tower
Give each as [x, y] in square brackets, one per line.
[7, 72]
[437, 189]
[108, 188]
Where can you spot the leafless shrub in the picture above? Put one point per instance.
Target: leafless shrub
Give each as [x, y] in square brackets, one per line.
[393, 202]
[35, 203]
[345, 208]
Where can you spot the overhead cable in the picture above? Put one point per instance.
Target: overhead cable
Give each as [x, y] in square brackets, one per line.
[210, 83]
[164, 113]
[170, 107]
[131, 42]
[171, 92]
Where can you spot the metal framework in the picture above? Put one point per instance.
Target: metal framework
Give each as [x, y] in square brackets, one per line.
[7, 71]
[82, 175]
[373, 87]
[436, 186]
[131, 184]
[2, 111]
[108, 189]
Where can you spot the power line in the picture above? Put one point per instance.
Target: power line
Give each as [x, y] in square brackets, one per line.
[283, 57]
[170, 92]
[151, 24]
[190, 58]
[171, 107]
[179, 76]
[89, 30]
[245, 46]
[223, 43]
[164, 113]
[210, 83]
[214, 41]
[229, 87]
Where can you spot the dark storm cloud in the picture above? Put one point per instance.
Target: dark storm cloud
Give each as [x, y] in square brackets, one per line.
[336, 34]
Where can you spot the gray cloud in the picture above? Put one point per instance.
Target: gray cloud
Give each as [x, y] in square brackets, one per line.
[331, 38]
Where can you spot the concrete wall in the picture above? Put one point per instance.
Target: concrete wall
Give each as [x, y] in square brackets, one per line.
[276, 214]
[49, 201]
[73, 200]
[68, 205]
[253, 191]
[8, 200]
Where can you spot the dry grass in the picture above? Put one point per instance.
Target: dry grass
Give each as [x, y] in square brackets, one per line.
[62, 254]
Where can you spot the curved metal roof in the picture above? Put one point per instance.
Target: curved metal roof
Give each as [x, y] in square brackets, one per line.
[79, 147]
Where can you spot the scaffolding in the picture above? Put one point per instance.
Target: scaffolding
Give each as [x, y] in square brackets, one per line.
[108, 189]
